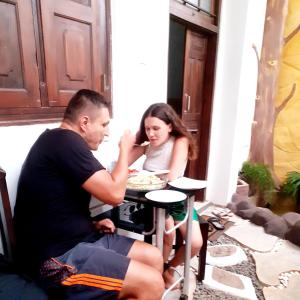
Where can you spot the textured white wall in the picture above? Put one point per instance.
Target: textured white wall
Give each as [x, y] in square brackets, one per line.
[241, 26]
[140, 31]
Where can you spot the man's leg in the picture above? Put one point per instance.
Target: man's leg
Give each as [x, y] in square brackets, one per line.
[100, 272]
[146, 254]
[142, 282]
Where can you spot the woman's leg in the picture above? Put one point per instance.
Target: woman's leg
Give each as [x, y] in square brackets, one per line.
[196, 243]
[178, 259]
[168, 239]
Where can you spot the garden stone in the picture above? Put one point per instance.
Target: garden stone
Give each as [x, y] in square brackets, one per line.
[247, 213]
[276, 226]
[245, 204]
[291, 218]
[262, 216]
[293, 235]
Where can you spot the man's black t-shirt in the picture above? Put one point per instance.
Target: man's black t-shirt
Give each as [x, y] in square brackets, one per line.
[52, 209]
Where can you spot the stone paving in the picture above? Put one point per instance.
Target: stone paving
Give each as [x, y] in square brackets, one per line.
[245, 278]
[223, 282]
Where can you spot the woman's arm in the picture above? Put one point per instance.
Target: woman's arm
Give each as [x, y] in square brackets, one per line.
[135, 153]
[179, 157]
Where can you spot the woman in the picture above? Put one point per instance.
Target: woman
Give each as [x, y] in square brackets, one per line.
[170, 146]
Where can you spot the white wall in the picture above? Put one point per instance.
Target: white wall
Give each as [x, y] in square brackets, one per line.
[140, 32]
[241, 25]
[15, 144]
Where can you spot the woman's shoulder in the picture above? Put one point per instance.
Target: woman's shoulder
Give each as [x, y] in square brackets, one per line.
[181, 140]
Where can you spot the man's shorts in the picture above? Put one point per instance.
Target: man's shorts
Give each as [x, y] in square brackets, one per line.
[90, 270]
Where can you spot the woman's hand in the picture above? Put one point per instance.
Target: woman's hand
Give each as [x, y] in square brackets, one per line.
[105, 225]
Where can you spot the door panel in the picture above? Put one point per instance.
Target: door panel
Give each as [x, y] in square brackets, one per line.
[195, 53]
[71, 42]
[192, 99]
[19, 82]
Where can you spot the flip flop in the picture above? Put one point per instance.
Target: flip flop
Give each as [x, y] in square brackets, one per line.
[215, 222]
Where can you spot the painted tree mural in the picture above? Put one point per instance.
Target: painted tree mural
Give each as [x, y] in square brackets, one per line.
[287, 124]
[267, 109]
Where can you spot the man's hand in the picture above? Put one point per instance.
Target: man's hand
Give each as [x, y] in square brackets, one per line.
[105, 225]
[127, 140]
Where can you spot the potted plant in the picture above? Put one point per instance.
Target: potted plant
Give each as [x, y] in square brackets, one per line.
[242, 187]
[260, 180]
[291, 186]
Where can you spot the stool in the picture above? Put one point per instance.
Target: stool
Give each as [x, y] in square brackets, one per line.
[202, 253]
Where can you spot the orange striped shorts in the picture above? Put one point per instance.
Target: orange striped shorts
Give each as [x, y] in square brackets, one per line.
[89, 270]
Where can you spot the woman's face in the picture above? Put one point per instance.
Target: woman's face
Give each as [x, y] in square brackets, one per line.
[157, 131]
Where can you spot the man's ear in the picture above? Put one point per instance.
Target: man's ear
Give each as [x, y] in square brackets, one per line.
[83, 121]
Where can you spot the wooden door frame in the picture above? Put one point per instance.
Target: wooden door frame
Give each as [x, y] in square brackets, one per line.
[209, 27]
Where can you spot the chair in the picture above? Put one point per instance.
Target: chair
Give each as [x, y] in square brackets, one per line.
[13, 285]
[202, 253]
[6, 222]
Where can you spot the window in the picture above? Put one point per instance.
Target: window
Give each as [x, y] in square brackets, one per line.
[52, 49]
[207, 6]
[202, 13]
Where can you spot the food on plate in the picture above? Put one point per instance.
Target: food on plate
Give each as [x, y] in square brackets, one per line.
[132, 171]
[145, 182]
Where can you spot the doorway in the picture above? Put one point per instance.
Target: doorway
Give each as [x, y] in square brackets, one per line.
[190, 85]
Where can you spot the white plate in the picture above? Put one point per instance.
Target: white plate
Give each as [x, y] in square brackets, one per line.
[166, 196]
[150, 173]
[186, 183]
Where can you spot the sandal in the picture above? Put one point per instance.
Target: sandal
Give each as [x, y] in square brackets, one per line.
[215, 222]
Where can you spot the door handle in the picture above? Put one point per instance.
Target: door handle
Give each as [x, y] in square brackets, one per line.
[188, 102]
[104, 86]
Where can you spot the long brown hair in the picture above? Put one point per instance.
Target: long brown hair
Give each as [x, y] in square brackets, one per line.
[167, 114]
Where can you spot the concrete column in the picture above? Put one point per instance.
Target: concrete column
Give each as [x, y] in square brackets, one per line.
[241, 26]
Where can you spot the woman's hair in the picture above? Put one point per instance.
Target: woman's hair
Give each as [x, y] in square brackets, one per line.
[167, 114]
[84, 101]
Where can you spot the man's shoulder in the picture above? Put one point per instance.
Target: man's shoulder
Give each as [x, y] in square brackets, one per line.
[62, 135]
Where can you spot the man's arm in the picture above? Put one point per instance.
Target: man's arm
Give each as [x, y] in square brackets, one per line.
[110, 187]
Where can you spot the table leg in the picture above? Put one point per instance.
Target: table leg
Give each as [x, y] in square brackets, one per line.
[160, 227]
[188, 246]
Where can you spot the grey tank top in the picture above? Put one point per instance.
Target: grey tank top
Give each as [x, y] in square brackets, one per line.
[159, 158]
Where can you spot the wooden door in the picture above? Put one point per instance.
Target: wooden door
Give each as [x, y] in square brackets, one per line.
[192, 98]
[71, 43]
[19, 81]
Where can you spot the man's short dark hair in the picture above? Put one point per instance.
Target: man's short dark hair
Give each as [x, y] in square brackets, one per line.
[83, 100]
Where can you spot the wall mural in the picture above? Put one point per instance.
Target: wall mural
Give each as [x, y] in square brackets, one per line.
[287, 124]
[275, 139]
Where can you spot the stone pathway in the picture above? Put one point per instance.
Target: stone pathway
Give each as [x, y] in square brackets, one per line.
[246, 268]
[237, 269]
[229, 282]
[273, 270]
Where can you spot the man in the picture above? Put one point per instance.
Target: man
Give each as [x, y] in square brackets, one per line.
[57, 241]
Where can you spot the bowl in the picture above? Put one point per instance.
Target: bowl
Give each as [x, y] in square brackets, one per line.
[146, 182]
